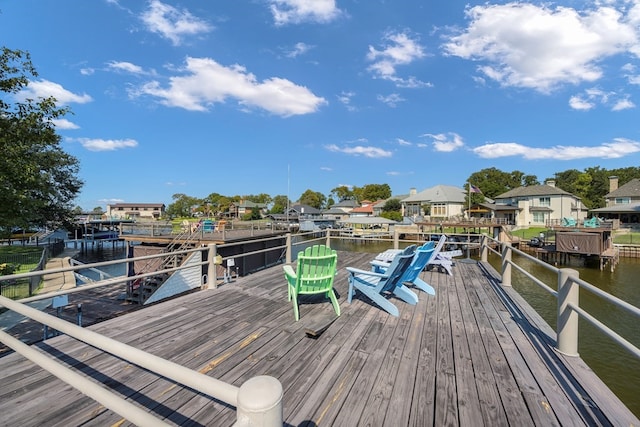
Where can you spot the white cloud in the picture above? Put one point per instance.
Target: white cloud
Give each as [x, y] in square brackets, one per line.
[401, 141]
[326, 169]
[578, 103]
[539, 47]
[592, 97]
[127, 67]
[299, 11]
[45, 88]
[623, 104]
[65, 124]
[96, 144]
[391, 100]
[359, 150]
[620, 147]
[398, 49]
[299, 49]
[207, 82]
[172, 23]
[631, 73]
[445, 143]
[345, 98]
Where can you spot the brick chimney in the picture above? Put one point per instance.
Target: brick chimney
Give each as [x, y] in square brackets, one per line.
[613, 183]
[551, 182]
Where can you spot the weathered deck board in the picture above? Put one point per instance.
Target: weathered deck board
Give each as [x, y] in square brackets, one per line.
[467, 356]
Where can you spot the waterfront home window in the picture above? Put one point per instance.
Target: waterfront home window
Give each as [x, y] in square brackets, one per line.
[545, 201]
[623, 200]
[438, 209]
[538, 217]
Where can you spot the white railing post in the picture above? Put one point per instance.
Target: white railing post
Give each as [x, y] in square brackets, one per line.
[484, 249]
[396, 239]
[212, 281]
[567, 327]
[506, 263]
[288, 250]
[328, 237]
[260, 402]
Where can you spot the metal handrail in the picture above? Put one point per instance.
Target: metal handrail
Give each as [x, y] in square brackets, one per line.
[569, 310]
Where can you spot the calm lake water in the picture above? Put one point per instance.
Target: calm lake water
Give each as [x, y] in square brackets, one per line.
[614, 365]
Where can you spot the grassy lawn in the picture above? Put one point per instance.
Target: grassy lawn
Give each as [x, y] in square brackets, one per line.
[627, 238]
[19, 259]
[25, 257]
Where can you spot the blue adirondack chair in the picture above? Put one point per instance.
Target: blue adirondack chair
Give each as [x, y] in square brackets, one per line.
[592, 222]
[377, 286]
[569, 222]
[421, 258]
[314, 275]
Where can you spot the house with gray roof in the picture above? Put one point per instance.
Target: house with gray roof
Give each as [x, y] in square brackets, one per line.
[346, 205]
[444, 201]
[622, 202]
[304, 211]
[535, 205]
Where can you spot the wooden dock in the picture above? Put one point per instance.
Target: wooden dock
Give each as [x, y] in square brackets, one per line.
[472, 355]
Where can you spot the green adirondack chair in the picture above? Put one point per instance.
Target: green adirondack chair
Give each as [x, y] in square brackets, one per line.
[314, 274]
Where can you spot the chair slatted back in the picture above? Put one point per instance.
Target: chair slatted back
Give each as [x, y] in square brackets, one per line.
[398, 267]
[316, 269]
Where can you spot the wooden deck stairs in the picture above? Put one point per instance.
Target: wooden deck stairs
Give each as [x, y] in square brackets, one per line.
[141, 290]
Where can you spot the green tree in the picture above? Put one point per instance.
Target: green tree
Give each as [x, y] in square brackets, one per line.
[392, 205]
[312, 198]
[394, 215]
[254, 214]
[374, 192]
[38, 180]
[280, 204]
[217, 204]
[493, 182]
[181, 206]
[392, 209]
[342, 192]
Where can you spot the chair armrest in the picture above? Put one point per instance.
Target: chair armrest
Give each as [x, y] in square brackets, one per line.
[354, 271]
[379, 266]
[379, 263]
[289, 273]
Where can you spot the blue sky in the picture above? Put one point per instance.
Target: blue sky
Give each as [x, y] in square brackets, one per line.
[280, 96]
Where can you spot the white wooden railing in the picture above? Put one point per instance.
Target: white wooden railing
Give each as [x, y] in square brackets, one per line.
[567, 294]
[258, 401]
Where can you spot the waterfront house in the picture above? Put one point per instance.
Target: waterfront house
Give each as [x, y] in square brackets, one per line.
[245, 207]
[335, 213]
[535, 205]
[366, 209]
[136, 211]
[622, 202]
[346, 205]
[444, 201]
[304, 211]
